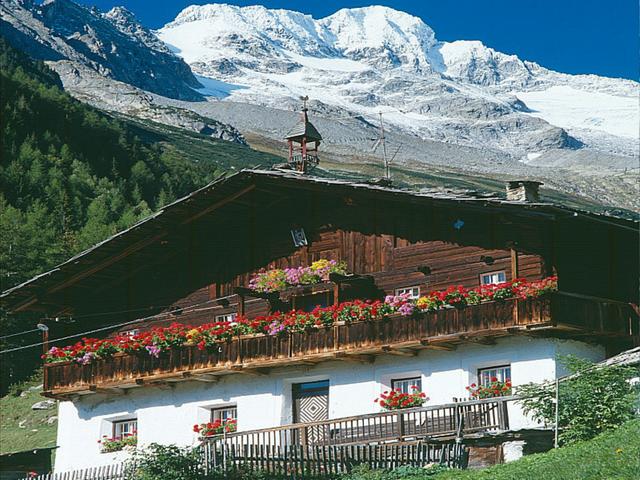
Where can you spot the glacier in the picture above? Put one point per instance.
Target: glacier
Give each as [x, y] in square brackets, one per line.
[361, 61]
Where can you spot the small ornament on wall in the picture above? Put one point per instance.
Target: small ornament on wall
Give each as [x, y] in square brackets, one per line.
[299, 237]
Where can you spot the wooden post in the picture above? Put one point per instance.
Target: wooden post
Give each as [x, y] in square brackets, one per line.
[514, 264]
[336, 293]
[45, 341]
[557, 414]
[400, 425]
[241, 305]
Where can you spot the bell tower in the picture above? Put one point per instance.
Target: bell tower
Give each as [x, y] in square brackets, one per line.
[304, 140]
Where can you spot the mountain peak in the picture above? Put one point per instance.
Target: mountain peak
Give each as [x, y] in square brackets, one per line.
[121, 13]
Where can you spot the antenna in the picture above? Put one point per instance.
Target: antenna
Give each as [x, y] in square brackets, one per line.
[381, 140]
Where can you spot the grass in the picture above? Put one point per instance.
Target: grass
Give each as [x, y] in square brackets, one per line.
[614, 455]
[22, 428]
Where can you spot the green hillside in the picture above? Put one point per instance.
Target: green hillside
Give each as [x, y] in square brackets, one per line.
[21, 427]
[614, 455]
[72, 175]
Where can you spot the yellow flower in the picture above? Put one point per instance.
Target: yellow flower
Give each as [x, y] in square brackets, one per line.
[320, 264]
[422, 302]
[618, 451]
[192, 335]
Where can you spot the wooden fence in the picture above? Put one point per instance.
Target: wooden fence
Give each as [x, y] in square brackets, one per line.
[327, 461]
[448, 420]
[299, 461]
[106, 472]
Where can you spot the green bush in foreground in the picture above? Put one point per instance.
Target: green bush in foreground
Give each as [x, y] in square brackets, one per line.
[594, 400]
[400, 473]
[613, 455]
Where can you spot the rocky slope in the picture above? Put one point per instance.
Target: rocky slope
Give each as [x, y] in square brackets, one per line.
[112, 44]
[108, 60]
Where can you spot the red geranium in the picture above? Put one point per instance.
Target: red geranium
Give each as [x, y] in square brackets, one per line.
[216, 427]
[396, 399]
[495, 388]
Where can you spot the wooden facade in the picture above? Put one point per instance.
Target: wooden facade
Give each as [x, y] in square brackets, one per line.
[186, 263]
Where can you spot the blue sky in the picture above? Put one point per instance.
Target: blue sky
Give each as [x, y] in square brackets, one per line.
[572, 36]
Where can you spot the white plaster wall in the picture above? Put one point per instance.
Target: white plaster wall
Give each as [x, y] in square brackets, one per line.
[167, 414]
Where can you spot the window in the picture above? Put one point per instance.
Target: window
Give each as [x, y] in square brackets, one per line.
[492, 278]
[226, 317]
[224, 413]
[125, 428]
[414, 292]
[502, 373]
[405, 385]
[130, 333]
[307, 303]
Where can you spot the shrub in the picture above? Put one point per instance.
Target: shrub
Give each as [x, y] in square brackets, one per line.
[594, 400]
[400, 473]
[166, 462]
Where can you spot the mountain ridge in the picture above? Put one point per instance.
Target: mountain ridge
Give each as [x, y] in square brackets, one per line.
[459, 105]
[381, 58]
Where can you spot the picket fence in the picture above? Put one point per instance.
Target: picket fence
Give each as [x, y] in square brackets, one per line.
[298, 462]
[106, 472]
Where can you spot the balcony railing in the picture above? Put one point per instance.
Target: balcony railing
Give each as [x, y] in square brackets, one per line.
[557, 313]
[416, 436]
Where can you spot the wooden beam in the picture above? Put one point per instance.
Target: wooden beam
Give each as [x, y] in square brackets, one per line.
[250, 371]
[106, 390]
[482, 340]
[401, 352]
[354, 357]
[435, 345]
[201, 377]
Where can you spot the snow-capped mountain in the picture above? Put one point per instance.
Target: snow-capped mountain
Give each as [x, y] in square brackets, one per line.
[365, 60]
[112, 44]
[457, 112]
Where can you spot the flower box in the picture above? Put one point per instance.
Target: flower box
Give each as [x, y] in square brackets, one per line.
[213, 336]
[115, 444]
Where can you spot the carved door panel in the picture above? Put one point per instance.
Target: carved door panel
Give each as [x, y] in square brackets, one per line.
[311, 404]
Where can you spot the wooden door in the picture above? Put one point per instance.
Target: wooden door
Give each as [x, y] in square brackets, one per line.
[311, 404]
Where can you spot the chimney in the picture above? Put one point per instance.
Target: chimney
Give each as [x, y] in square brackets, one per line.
[523, 191]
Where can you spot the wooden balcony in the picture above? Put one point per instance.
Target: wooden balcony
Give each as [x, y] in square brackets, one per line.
[557, 314]
[416, 436]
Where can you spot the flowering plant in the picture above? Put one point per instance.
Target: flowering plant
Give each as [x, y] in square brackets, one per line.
[496, 388]
[159, 340]
[114, 444]
[277, 279]
[401, 303]
[396, 399]
[216, 427]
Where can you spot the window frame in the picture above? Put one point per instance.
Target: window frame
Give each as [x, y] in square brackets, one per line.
[398, 291]
[503, 367]
[221, 317]
[116, 423]
[393, 381]
[494, 272]
[215, 413]
[130, 333]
